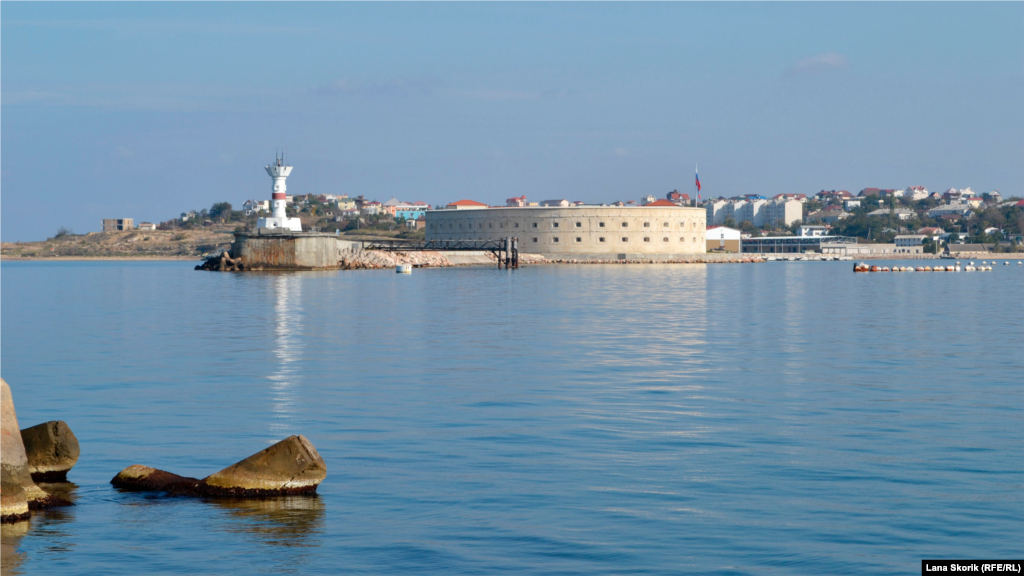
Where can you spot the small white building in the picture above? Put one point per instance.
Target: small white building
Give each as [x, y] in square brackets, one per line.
[851, 203]
[909, 243]
[723, 238]
[808, 230]
[147, 226]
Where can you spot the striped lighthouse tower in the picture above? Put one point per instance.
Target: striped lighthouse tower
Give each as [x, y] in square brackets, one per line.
[279, 171]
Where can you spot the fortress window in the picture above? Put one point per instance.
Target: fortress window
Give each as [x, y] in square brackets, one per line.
[682, 239]
[556, 224]
[601, 224]
[534, 225]
[490, 225]
[480, 225]
[579, 224]
[517, 224]
[534, 239]
[647, 238]
[578, 239]
[647, 224]
[625, 239]
[625, 224]
[501, 225]
[665, 225]
[665, 239]
[555, 238]
[601, 239]
[695, 240]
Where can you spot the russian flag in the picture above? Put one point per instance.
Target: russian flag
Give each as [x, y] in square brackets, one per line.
[697, 175]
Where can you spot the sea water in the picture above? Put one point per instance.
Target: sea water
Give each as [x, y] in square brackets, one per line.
[785, 418]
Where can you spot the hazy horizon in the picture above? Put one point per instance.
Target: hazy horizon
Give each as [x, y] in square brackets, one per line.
[148, 110]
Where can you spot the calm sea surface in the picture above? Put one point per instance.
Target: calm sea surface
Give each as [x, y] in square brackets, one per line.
[785, 418]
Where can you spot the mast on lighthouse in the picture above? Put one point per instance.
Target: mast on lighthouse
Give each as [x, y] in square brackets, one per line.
[279, 172]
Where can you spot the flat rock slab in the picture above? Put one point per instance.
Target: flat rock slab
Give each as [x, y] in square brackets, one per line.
[52, 450]
[292, 466]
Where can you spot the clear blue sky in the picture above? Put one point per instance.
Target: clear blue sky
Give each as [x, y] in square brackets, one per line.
[146, 110]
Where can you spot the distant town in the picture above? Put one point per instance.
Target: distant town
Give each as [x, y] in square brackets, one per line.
[910, 220]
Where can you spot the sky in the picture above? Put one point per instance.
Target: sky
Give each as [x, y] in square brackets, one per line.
[147, 110]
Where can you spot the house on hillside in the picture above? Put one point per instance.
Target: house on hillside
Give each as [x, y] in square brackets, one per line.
[465, 205]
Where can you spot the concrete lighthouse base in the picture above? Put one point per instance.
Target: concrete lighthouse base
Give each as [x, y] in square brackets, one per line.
[268, 249]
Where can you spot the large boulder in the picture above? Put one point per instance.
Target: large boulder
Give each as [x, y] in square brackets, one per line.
[14, 469]
[52, 449]
[292, 466]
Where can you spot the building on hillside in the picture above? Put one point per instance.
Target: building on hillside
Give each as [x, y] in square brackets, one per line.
[931, 232]
[411, 211]
[147, 226]
[969, 250]
[465, 205]
[371, 208]
[516, 201]
[118, 224]
[810, 230]
[563, 203]
[678, 198]
[915, 193]
[828, 216]
[909, 243]
[780, 210]
[957, 209]
[855, 249]
[618, 232]
[851, 203]
[900, 213]
[870, 192]
[724, 239]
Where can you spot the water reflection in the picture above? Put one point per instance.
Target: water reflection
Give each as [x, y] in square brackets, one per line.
[290, 521]
[11, 557]
[287, 293]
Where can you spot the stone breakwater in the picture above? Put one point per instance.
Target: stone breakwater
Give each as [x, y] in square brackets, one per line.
[373, 259]
[377, 259]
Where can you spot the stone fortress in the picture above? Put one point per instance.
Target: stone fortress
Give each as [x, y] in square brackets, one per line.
[583, 230]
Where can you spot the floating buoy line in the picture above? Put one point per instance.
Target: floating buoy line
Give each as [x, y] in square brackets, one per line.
[969, 267]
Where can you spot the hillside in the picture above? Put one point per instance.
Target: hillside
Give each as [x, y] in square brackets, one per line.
[170, 244]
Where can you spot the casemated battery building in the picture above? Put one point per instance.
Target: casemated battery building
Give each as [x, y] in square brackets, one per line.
[659, 228]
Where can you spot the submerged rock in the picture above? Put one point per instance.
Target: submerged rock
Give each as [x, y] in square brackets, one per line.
[145, 479]
[52, 449]
[292, 466]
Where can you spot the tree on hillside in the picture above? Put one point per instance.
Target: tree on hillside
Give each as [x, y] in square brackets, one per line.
[221, 210]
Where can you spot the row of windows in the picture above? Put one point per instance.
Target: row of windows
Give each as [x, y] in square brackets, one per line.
[682, 225]
[624, 239]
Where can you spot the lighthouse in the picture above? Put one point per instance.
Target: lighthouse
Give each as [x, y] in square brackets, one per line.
[279, 172]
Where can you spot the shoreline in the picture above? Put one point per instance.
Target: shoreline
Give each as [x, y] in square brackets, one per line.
[5, 258]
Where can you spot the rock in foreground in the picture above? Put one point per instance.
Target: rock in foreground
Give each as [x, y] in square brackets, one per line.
[52, 450]
[292, 466]
[145, 479]
[13, 505]
[14, 468]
